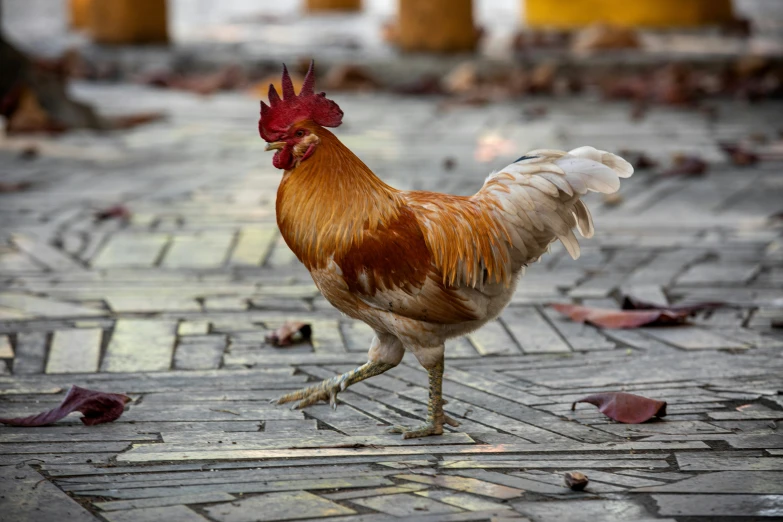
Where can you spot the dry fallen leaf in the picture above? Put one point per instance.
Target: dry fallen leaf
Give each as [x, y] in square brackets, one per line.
[290, 333]
[603, 37]
[14, 186]
[739, 154]
[631, 303]
[228, 78]
[97, 407]
[635, 313]
[609, 318]
[113, 212]
[347, 77]
[575, 480]
[625, 407]
[129, 121]
[426, 84]
[686, 166]
[638, 159]
[30, 116]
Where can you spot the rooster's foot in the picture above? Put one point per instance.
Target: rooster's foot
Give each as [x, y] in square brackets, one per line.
[426, 429]
[327, 390]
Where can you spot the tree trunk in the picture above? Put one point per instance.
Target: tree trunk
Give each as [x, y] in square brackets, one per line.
[33, 96]
[334, 5]
[436, 26]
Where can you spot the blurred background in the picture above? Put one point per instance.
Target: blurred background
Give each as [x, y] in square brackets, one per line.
[474, 51]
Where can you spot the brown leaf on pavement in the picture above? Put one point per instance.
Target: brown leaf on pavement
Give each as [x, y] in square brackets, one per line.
[228, 78]
[635, 313]
[28, 115]
[348, 77]
[685, 165]
[625, 407]
[14, 186]
[631, 303]
[113, 212]
[638, 159]
[129, 121]
[290, 333]
[609, 318]
[739, 154]
[601, 37]
[97, 407]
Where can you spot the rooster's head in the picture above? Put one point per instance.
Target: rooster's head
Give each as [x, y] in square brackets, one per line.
[290, 125]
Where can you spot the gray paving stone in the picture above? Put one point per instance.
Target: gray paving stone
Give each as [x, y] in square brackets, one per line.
[696, 462]
[140, 345]
[695, 339]
[405, 505]
[202, 353]
[253, 246]
[75, 351]
[277, 506]
[532, 332]
[27, 495]
[154, 514]
[608, 510]
[725, 482]
[31, 306]
[124, 505]
[49, 256]
[131, 250]
[30, 353]
[720, 506]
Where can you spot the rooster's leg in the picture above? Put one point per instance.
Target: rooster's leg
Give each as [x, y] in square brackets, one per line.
[385, 353]
[436, 418]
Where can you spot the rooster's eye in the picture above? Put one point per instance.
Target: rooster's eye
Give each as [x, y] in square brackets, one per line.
[300, 133]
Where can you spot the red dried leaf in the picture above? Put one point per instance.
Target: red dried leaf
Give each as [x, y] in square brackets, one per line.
[97, 407]
[631, 303]
[289, 333]
[625, 407]
[113, 212]
[129, 121]
[17, 186]
[638, 159]
[687, 166]
[740, 154]
[609, 318]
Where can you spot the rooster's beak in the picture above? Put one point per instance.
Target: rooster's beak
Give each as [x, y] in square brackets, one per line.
[275, 145]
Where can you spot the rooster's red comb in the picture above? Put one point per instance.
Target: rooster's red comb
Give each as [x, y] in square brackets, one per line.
[280, 114]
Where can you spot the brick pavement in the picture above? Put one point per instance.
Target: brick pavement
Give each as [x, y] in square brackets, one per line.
[171, 307]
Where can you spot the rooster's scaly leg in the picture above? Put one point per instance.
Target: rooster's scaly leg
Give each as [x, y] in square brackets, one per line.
[436, 418]
[385, 353]
[328, 389]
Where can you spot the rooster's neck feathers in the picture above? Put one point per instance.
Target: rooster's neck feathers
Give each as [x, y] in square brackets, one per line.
[330, 201]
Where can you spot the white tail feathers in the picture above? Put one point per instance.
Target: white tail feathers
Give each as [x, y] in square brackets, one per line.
[621, 167]
[541, 192]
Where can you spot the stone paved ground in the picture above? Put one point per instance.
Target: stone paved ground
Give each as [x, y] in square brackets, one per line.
[172, 306]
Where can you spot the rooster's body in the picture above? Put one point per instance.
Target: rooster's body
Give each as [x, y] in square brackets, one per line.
[420, 267]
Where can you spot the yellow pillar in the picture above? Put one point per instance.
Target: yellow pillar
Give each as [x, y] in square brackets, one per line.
[128, 21]
[80, 13]
[436, 26]
[334, 5]
[649, 13]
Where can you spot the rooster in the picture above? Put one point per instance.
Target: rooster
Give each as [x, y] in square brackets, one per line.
[417, 267]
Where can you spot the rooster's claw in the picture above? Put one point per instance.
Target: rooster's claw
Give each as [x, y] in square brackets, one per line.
[326, 392]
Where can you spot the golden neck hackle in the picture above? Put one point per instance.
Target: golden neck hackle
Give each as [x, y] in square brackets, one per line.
[327, 202]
